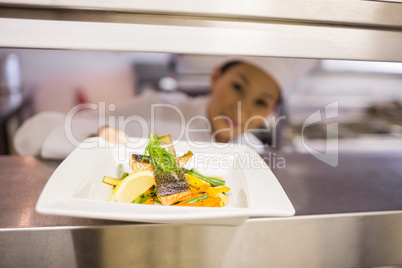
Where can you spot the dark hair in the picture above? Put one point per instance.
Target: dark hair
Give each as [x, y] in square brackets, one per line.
[228, 65]
[225, 67]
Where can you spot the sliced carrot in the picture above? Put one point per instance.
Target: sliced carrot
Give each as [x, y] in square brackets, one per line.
[194, 190]
[199, 190]
[192, 197]
[204, 187]
[150, 201]
[149, 190]
[210, 201]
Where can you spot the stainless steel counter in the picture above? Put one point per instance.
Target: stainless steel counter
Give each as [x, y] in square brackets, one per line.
[348, 216]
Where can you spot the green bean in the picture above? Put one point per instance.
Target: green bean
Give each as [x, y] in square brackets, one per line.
[141, 199]
[198, 198]
[213, 181]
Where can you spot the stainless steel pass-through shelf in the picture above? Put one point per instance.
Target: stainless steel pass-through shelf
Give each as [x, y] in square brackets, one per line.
[358, 30]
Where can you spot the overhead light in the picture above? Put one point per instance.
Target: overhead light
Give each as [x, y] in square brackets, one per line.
[168, 83]
[362, 66]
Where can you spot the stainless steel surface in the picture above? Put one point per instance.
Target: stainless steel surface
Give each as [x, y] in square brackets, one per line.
[111, 31]
[21, 181]
[368, 236]
[344, 12]
[352, 240]
[361, 182]
[358, 30]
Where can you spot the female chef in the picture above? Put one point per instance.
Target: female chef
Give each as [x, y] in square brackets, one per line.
[244, 92]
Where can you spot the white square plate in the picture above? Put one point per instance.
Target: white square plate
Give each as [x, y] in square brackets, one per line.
[76, 187]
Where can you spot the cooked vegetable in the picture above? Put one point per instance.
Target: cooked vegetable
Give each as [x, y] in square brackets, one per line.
[111, 181]
[195, 182]
[213, 181]
[156, 199]
[202, 189]
[224, 199]
[206, 202]
[210, 202]
[147, 196]
[212, 192]
[142, 198]
[198, 198]
[159, 177]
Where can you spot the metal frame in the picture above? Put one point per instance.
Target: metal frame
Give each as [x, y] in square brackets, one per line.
[111, 31]
[343, 12]
[338, 29]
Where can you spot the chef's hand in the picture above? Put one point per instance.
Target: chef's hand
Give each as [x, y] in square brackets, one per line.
[113, 135]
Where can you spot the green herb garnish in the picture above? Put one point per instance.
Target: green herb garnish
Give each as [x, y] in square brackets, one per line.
[161, 160]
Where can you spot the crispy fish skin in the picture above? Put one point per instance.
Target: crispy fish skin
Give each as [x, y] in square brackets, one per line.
[168, 184]
[171, 188]
[137, 162]
[184, 159]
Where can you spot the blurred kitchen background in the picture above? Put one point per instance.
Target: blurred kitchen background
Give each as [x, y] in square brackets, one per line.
[365, 96]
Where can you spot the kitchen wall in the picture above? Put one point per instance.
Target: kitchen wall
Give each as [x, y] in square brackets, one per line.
[367, 100]
[58, 80]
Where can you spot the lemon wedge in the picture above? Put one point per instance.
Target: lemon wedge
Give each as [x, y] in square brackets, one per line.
[132, 186]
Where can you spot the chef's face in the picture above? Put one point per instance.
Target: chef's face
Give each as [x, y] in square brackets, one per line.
[242, 97]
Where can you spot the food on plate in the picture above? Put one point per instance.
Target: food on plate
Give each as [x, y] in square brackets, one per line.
[213, 181]
[159, 177]
[137, 161]
[195, 182]
[111, 181]
[133, 185]
[171, 184]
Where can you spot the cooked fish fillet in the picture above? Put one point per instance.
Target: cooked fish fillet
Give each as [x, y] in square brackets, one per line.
[182, 160]
[137, 162]
[167, 143]
[171, 188]
[174, 198]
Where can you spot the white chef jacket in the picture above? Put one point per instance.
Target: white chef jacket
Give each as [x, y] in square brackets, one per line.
[54, 135]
